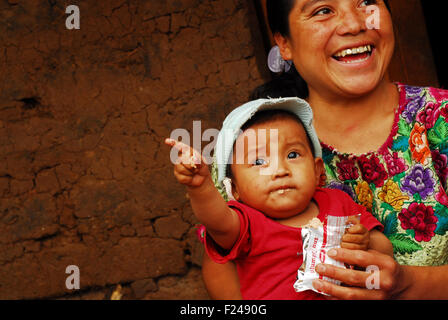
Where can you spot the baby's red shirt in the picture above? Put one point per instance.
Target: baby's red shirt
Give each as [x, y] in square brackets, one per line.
[268, 254]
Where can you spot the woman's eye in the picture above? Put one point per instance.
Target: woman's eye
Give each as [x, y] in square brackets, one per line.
[293, 155]
[368, 2]
[260, 162]
[322, 11]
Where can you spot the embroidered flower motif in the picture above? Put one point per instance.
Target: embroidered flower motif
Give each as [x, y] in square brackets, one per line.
[347, 169]
[440, 164]
[394, 164]
[411, 90]
[391, 194]
[439, 94]
[347, 189]
[444, 111]
[327, 154]
[442, 197]
[419, 218]
[365, 195]
[412, 108]
[418, 144]
[429, 115]
[372, 170]
[419, 180]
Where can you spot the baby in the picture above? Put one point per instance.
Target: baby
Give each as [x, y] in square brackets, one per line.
[270, 151]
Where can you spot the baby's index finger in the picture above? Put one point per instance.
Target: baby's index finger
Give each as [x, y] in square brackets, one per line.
[170, 142]
[189, 155]
[177, 144]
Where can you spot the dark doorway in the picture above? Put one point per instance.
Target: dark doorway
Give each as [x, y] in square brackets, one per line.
[436, 23]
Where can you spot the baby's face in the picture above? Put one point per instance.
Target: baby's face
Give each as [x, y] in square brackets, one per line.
[276, 174]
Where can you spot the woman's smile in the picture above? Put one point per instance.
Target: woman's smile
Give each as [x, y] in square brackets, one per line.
[354, 54]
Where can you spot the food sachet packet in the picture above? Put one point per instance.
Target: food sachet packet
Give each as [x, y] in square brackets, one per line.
[318, 238]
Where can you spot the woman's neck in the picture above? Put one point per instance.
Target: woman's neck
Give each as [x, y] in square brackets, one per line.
[349, 123]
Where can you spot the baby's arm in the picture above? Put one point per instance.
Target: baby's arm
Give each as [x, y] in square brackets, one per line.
[359, 238]
[379, 242]
[221, 222]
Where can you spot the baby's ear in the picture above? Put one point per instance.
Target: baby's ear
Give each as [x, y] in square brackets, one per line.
[319, 169]
[230, 188]
[235, 193]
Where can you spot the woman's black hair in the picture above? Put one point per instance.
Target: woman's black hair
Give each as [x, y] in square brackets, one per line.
[287, 84]
[278, 15]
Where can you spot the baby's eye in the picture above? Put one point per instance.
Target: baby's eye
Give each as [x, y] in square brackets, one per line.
[293, 155]
[259, 162]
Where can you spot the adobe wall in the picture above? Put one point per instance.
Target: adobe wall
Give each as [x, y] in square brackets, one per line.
[85, 178]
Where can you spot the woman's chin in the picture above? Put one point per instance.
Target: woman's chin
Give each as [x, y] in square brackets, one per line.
[359, 86]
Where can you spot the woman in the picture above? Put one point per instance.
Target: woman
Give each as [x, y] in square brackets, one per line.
[385, 144]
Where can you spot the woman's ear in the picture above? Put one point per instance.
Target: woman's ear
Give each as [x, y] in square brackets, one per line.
[284, 45]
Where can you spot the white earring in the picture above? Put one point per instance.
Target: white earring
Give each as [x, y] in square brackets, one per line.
[276, 63]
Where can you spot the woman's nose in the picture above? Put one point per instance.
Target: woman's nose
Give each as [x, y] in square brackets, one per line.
[352, 21]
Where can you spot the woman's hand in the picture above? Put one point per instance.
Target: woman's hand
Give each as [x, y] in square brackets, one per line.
[385, 282]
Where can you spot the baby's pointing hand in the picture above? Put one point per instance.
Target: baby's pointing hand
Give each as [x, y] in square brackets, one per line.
[357, 236]
[190, 168]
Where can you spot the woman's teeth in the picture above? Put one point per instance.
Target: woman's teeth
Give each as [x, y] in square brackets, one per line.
[350, 53]
[353, 51]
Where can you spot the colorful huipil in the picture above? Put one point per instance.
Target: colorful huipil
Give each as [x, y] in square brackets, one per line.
[403, 183]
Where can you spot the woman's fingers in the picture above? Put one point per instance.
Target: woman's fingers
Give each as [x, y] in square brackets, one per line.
[385, 276]
[348, 293]
[354, 246]
[358, 257]
[354, 257]
[348, 276]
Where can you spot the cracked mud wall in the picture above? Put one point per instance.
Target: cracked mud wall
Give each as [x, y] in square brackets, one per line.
[85, 178]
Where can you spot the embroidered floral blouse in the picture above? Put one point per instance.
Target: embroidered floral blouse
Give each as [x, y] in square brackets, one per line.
[403, 183]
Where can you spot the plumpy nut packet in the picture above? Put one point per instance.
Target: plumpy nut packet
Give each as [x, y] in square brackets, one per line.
[318, 238]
